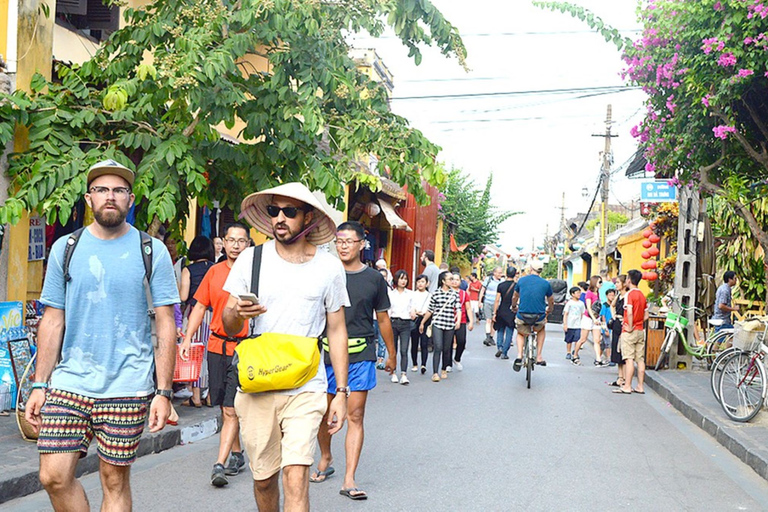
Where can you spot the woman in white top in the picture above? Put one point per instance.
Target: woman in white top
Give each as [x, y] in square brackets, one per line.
[420, 305]
[401, 313]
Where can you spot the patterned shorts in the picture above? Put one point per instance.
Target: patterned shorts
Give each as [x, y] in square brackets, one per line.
[70, 422]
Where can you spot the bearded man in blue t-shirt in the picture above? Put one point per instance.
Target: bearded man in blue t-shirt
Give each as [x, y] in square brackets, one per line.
[533, 300]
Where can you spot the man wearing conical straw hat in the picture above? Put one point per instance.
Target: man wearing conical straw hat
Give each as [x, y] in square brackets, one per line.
[302, 292]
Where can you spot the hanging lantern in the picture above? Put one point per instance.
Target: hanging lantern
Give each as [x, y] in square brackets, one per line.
[372, 209]
[654, 238]
[653, 251]
[649, 265]
[520, 248]
[647, 244]
[645, 254]
[540, 247]
[581, 240]
[541, 258]
[650, 276]
[561, 246]
[647, 233]
[652, 225]
[576, 247]
[509, 256]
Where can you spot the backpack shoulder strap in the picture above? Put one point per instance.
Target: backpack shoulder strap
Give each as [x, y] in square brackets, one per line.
[146, 254]
[256, 269]
[68, 250]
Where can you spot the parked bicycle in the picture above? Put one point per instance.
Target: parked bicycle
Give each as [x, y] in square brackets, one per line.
[676, 323]
[742, 381]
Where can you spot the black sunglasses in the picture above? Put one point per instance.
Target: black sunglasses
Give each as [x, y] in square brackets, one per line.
[289, 211]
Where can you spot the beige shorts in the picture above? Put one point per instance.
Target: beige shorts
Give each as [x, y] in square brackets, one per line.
[633, 345]
[525, 329]
[279, 430]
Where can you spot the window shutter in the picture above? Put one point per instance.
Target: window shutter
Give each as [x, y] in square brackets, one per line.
[71, 7]
[103, 17]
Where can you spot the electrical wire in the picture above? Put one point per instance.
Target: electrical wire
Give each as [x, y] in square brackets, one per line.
[573, 90]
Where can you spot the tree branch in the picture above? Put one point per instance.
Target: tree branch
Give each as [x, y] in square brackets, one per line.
[191, 128]
[759, 122]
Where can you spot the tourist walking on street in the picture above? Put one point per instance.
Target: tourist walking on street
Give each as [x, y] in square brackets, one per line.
[606, 320]
[533, 300]
[572, 313]
[221, 348]
[301, 292]
[633, 335]
[590, 322]
[368, 293]
[617, 311]
[402, 314]
[467, 320]
[430, 270]
[95, 357]
[474, 294]
[503, 316]
[487, 299]
[444, 312]
[419, 339]
[723, 308]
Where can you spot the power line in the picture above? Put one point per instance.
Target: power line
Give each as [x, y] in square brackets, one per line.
[574, 90]
[516, 34]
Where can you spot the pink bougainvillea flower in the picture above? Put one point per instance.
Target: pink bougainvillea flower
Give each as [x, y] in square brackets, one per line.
[718, 6]
[727, 59]
[722, 131]
[746, 72]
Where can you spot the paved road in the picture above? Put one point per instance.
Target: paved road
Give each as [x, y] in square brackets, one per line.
[481, 441]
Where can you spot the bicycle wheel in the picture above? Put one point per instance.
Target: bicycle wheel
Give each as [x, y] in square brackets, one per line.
[741, 387]
[715, 346]
[717, 369]
[664, 351]
[530, 361]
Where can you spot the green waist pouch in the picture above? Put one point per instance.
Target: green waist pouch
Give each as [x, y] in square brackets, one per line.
[354, 345]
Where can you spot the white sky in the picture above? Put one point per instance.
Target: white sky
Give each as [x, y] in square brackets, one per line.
[537, 145]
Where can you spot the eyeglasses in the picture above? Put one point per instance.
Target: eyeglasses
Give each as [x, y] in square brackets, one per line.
[288, 211]
[237, 241]
[343, 242]
[120, 192]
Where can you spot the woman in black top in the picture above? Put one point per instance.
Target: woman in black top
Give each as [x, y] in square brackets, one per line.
[503, 317]
[617, 314]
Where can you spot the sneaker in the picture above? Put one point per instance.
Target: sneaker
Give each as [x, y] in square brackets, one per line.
[218, 476]
[235, 465]
[488, 340]
[423, 370]
[498, 353]
[415, 368]
[394, 378]
[568, 356]
[435, 378]
[404, 379]
[444, 374]
[600, 363]
[611, 364]
[449, 369]
[458, 365]
[182, 393]
[504, 356]
[517, 364]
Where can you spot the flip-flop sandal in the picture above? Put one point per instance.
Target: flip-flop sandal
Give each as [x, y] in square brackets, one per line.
[354, 493]
[638, 392]
[189, 403]
[621, 392]
[541, 363]
[322, 476]
[615, 384]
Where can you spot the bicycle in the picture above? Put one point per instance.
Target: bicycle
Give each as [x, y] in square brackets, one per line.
[742, 382]
[676, 324]
[717, 369]
[530, 347]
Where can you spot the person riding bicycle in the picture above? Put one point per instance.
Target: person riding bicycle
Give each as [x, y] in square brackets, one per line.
[536, 301]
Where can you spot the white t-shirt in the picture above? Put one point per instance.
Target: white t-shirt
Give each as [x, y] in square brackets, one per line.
[297, 297]
[575, 310]
[401, 304]
[421, 301]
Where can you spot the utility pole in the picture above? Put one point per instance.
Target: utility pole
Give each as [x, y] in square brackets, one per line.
[605, 178]
[561, 238]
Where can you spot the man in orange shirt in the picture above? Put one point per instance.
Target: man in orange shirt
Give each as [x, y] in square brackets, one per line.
[222, 384]
[633, 336]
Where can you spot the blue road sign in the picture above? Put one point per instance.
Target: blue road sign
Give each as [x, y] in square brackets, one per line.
[658, 191]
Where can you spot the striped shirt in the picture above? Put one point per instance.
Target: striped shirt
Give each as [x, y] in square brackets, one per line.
[443, 306]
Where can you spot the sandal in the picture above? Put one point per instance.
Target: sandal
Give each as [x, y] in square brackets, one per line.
[322, 476]
[354, 493]
[189, 403]
[576, 361]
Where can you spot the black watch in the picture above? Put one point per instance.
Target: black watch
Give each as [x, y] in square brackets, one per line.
[167, 393]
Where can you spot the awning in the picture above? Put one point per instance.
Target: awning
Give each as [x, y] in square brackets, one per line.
[392, 217]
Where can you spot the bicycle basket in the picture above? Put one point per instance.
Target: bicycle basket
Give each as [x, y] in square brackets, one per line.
[673, 318]
[747, 340]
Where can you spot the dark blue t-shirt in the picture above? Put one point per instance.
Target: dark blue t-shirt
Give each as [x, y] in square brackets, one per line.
[533, 292]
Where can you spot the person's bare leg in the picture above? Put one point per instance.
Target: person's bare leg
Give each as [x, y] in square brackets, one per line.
[540, 336]
[229, 439]
[640, 375]
[267, 493]
[520, 344]
[116, 486]
[196, 396]
[296, 488]
[324, 440]
[629, 371]
[597, 338]
[355, 435]
[57, 474]
[580, 343]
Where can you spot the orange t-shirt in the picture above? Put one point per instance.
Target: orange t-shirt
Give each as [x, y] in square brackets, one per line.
[636, 299]
[211, 293]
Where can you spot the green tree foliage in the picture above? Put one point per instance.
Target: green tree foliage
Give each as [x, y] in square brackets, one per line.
[469, 214]
[704, 66]
[550, 269]
[154, 92]
[615, 221]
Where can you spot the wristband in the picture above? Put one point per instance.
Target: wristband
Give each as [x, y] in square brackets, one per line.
[39, 385]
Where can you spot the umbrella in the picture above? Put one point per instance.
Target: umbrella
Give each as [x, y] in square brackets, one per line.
[706, 268]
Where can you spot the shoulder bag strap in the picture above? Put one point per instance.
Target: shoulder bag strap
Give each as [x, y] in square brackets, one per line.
[255, 274]
[146, 258]
[68, 250]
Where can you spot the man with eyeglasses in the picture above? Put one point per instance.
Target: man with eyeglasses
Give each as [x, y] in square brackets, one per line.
[94, 375]
[302, 292]
[221, 348]
[368, 293]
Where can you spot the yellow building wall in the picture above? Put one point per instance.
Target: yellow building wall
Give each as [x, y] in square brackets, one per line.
[439, 242]
[4, 28]
[631, 248]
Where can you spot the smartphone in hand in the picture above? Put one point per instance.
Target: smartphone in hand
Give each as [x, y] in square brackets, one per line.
[249, 297]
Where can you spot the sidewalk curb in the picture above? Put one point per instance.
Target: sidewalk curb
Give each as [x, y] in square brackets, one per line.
[713, 421]
[23, 485]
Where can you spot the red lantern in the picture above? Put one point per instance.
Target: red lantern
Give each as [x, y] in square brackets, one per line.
[653, 251]
[652, 225]
[647, 244]
[648, 265]
[645, 254]
[654, 239]
[652, 276]
[647, 233]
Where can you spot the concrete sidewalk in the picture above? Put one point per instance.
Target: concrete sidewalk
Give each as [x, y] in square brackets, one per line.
[19, 460]
[690, 393]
